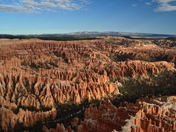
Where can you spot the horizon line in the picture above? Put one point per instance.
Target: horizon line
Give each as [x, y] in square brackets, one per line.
[70, 33]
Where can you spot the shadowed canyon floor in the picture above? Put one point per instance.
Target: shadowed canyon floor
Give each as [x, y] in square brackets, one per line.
[62, 86]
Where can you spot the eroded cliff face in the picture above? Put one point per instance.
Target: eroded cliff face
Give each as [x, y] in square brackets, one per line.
[147, 115]
[23, 119]
[37, 76]
[138, 49]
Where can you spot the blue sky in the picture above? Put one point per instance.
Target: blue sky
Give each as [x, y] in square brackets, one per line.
[65, 16]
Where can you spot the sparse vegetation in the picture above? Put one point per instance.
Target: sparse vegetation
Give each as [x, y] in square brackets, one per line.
[37, 65]
[160, 85]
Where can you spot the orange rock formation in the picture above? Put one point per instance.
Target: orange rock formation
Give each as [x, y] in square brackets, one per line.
[37, 75]
[147, 115]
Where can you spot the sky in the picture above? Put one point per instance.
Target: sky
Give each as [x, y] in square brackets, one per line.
[67, 16]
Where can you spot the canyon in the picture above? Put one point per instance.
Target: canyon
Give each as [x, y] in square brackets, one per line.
[110, 82]
[148, 115]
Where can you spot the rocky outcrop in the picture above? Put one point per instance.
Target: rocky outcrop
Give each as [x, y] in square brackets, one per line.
[169, 42]
[59, 128]
[25, 118]
[154, 115]
[139, 49]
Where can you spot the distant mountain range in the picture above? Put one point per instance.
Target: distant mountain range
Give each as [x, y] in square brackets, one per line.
[89, 34]
[135, 34]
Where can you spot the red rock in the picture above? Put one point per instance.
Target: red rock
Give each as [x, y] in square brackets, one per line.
[146, 115]
[37, 74]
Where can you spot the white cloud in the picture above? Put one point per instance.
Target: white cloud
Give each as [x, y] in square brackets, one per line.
[148, 3]
[48, 4]
[17, 8]
[165, 5]
[36, 6]
[134, 5]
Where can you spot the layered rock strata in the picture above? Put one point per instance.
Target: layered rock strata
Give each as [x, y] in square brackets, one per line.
[147, 115]
[37, 76]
